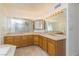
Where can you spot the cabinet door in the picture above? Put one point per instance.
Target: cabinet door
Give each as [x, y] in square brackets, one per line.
[51, 49]
[24, 41]
[9, 40]
[61, 48]
[36, 40]
[45, 44]
[18, 41]
[29, 39]
[41, 41]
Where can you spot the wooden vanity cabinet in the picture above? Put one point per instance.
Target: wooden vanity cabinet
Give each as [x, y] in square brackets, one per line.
[36, 40]
[40, 41]
[61, 47]
[18, 41]
[24, 40]
[45, 40]
[9, 40]
[29, 39]
[51, 46]
[56, 48]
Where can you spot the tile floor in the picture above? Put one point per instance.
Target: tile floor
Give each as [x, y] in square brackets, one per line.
[30, 51]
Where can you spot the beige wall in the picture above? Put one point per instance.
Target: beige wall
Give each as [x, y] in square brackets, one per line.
[1, 24]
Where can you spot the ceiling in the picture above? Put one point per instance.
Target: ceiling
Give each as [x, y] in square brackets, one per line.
[32, 7]
[28, 10]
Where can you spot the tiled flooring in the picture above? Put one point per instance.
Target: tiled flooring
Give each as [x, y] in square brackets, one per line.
[30, 51]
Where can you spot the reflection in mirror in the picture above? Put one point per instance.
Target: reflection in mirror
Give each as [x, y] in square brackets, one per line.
[50, 26]
[56, 23]
[39, 25]
[21, 25]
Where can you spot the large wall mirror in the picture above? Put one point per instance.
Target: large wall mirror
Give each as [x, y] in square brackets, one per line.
[20, 25]
[51, 24]
[56, 23]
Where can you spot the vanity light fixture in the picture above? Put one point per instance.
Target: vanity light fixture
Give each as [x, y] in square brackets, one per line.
[54, 14]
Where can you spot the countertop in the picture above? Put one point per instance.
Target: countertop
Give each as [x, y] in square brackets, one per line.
[53, 36]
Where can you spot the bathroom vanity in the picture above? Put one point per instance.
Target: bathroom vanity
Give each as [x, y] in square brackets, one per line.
[53, 44]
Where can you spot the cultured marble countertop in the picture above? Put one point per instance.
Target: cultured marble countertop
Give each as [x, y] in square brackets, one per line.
[48, 35]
